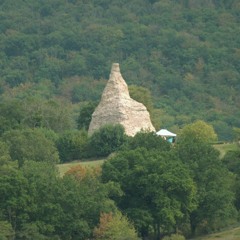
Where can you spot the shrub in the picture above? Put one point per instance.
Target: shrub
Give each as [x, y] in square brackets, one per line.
[115, 226]
[72, 145]
[148, 140]
[106, 140]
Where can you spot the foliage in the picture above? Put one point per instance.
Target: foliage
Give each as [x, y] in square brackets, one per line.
[6, 231]
[63, 168]
[85, 115]
[72, 145]
[189, 57]
[181, 59]
[51, 114]
[30, 144]
[215, 208]
[148, 140]
[85, 200]
[11, 116]
[106, 140]
[236, 134]
[142, 95]
[80, 172]
[198, 131]
[158, 190]
[31, 231]
[4, 153]
[35, 112]
[114, 226]
[232, 161]
[40, 205]
[14, 199]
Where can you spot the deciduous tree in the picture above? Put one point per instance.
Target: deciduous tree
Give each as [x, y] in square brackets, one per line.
[198, 131]
[30, 144]
[215, 208]
[158, 190]
[106, 140]
[114, 226]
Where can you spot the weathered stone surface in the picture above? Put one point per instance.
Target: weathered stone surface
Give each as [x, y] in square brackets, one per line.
[117, 107]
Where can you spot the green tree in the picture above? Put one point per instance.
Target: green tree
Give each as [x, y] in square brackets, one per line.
[44, 211]
[11, 115]
[51, 114]
[85, 115]
[106, 140]
[14, 197]
[72, 145]
[148, 140]
[236, 132]
[82, 200]
[158, 190]
[231, 160]
[6, 231]
[215, 208]
[142, 95]
[4, 154]
[30, 144]
[39, 204]
[114, 227]
[199, 131]
[31, 231]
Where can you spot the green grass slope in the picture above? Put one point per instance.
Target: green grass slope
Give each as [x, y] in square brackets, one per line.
[232, 234]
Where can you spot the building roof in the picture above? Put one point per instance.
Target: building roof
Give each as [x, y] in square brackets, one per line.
[166, 133]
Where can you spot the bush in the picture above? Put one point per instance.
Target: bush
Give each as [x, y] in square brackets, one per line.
[106, 140]
[115, 226]
[72, 145]
[148, 140]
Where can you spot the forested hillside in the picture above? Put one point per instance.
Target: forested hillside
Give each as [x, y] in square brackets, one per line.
[55, 55]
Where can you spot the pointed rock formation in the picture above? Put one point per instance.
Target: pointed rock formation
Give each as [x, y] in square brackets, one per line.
[117, 107]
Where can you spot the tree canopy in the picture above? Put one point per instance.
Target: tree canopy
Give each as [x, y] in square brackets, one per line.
[180, 58]
[158, 190]
[184, 54]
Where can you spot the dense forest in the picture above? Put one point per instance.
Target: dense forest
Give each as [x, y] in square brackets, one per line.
[180, 58]
[57, 54]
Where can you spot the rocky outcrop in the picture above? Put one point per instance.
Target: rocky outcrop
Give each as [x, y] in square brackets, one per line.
[117, 107]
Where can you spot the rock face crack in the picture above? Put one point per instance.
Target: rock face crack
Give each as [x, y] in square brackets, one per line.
[117, 107]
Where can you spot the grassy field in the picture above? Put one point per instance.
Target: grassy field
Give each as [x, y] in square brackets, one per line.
[223, 148]
[66, 166]
[232, 234]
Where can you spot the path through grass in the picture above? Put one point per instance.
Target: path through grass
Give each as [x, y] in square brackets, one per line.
[224, 148]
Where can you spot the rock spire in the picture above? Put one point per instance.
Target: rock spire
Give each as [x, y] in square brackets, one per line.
[117, 107]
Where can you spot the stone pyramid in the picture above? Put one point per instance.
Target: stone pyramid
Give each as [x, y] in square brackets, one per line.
[117, 107]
